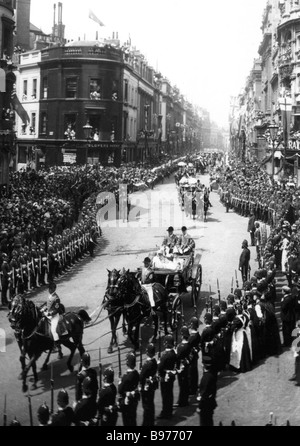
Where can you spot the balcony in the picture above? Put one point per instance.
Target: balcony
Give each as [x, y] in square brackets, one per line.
[82, 52]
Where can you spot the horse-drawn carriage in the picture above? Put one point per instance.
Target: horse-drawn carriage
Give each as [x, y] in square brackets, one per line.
[125, 295]
[188, 273]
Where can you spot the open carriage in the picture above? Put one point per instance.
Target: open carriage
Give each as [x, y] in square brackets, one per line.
[188, 273]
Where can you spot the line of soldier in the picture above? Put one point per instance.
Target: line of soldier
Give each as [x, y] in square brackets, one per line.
[244, 204]
[34, 266]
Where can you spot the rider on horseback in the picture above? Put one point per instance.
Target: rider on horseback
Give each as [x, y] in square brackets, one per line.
[53, 311]
[147, 278]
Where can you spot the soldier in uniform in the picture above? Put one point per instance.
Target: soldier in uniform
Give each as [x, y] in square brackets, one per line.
[149, 384]
[15, 275]
[183, 365]
[24, 270]
[84, 371]
[107, 400]
[42, 263]
[65, 414]
[6, 278]
[34, 266]
[167, 372]
[194, 341]
[53, 311]
[244, 261]
[85, 410]
[128, 391]
[207, 393]
[43, 415]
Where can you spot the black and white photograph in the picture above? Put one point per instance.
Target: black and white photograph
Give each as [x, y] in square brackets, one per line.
[149, 215]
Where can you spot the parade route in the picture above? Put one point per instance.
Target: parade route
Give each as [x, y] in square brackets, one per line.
[246, 398]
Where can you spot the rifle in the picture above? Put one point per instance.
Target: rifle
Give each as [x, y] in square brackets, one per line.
[219, 293]
[30, 409]
[120, 365]
[159, 343]
[141, 352]
[232, 285]
[4, 412]
[100, 370]
[52, 390]
[236, 279]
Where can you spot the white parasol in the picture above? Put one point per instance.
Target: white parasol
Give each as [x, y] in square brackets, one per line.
[182, 164]
[183, 180]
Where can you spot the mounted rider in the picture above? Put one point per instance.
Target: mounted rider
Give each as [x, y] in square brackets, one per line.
[53, 311]
[146, 277]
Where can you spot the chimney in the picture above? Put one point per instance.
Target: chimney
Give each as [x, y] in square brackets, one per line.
[96, 35]
[23, 23]
[60, 13]
[113, 36]
[117, 36]
[54, 16]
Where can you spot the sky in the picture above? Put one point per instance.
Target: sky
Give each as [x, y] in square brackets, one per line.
[204, 47]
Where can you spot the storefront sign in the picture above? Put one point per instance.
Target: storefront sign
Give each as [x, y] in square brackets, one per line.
[294, 145]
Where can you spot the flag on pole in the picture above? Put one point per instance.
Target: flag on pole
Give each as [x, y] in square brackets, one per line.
[95, 18]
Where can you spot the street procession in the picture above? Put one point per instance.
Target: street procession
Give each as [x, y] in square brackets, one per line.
[149, 225]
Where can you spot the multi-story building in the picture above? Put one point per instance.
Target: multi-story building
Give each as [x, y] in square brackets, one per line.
[7, 82]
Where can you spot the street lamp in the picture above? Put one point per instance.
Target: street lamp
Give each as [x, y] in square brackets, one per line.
[273, 131]
[87, 128]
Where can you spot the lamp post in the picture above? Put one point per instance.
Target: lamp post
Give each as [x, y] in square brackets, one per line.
[177, 135]
[273, 130]
[87, 128]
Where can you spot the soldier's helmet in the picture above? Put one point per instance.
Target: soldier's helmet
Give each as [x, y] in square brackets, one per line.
[184, 332]
[194, 323]
[223, 305]
[109, 375]
[131, 360]
[87, 386]
[43, 413]
[150, 350]
[208, 318]
[86, 359]
[169, 341]
[15, 422]
[63, 398]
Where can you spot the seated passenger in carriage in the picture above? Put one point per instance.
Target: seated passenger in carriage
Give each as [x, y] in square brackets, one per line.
[170, 241]
[162, 262]
[185, 244]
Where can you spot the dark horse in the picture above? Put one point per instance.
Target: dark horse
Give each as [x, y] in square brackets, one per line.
[132, 300]
[114, 304]
[33, 334]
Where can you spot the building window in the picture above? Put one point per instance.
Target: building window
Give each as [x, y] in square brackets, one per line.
[71, 87]
[25, 90]
[95, 89]
[34, 89]
[33, 124]
[45, 88]
[44, 123]
[70, 126]
[126, 90]
[22, 158]
[115, 90]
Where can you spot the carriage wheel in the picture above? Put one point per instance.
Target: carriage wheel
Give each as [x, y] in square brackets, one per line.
[176, 316]
[196, 286]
